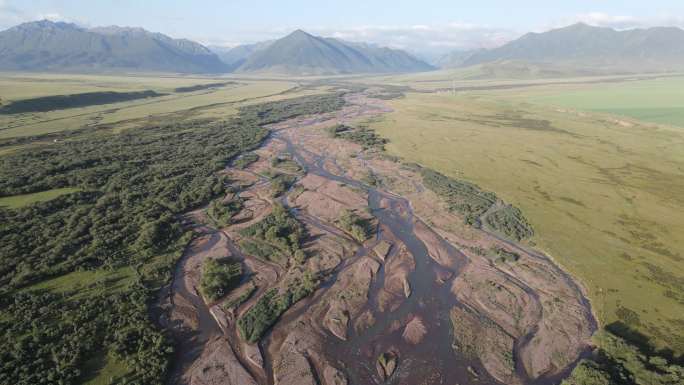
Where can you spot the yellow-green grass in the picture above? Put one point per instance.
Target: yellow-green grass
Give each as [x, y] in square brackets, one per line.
[17, 201]
[87, 282]
[219, 99]
[205, 103]
[479, 76]
[14, 86]
[607, 201]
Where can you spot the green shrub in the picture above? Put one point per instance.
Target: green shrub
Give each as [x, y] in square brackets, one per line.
[242, 298]
[620, 362]
[510, 221]
[502, 255]
[245, 160]
[274, 112]
[355, 225]
[61, 102]
[334, 131]
[465, 198]
[254, 323]
[365, 137]
[280, 183]
[280, 230]
[219, 278]
[472, 203]
[223, 212]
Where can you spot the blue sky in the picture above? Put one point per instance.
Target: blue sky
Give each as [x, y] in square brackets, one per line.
[418, 25]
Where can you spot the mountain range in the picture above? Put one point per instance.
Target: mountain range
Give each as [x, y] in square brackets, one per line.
[57, 46]
[584, 48]
[580, 49]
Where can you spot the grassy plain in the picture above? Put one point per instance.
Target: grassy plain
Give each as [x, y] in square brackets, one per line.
[606, 198]
[214, 102]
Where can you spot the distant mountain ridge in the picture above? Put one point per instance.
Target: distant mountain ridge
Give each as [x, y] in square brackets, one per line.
[581, 45]
[57, 46]
[305, 54]
[234, 57]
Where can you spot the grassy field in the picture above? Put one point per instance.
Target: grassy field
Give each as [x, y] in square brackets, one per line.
[658, 100]
[215, 102]
[17, 201]
[606, 200]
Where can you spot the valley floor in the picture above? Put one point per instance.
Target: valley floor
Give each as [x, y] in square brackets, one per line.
[419, 301]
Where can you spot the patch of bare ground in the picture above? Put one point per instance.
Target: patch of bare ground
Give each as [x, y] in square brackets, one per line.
[414, 331]
[218, 365]
[396, 286]
[325, 199]
[479, 337]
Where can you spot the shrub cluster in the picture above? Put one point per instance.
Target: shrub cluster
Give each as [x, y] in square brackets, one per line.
[219, 277]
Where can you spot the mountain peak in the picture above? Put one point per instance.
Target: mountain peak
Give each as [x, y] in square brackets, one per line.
[46, 24]
[115, 29]
[580, 25]
[299, 33]
[303, 53]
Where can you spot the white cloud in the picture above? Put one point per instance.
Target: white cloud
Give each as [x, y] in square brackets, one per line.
[52, 17]
[9, 15]
[621, 22]
[605, 20]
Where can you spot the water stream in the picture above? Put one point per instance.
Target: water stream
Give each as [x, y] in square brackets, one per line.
[432, 361]
[434, 357]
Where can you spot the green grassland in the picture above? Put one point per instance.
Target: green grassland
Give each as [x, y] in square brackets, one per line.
[17, 201]
[657, 100]
[606, 200]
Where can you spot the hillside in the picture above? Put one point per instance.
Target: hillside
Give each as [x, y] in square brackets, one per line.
[305, 54]
[57, 46]
[602, 49]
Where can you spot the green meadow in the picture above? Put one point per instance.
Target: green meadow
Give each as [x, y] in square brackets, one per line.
[658, 101]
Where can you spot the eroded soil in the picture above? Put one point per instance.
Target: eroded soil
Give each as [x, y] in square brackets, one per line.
[413, 304]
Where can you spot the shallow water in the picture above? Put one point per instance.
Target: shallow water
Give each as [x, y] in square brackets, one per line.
[433, 361]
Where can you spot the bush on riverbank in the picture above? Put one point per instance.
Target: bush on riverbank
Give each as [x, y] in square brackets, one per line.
[219, 277]
[358, 227]
[260, 317]
[622, 362]
[280, 230]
